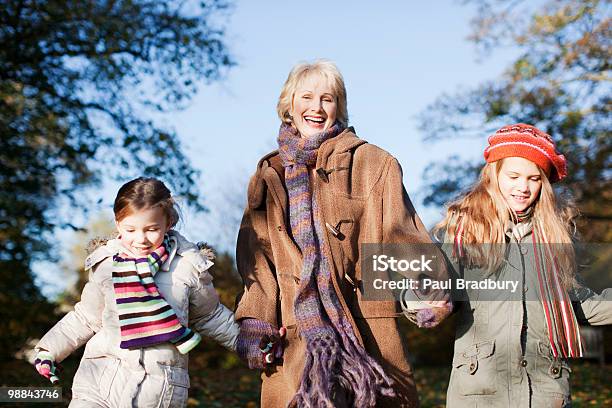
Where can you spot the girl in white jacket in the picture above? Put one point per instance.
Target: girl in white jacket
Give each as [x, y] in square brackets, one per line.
[148, 300]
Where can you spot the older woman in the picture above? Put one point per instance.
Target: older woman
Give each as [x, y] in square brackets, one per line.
[310, 205]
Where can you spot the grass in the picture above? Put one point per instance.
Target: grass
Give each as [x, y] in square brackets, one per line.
[589, 381]
[232, 385]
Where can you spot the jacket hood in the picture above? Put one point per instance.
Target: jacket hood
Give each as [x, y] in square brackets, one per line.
[205, 250]
[96, 243]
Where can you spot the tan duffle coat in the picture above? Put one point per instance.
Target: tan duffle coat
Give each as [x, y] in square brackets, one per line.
[361, 199]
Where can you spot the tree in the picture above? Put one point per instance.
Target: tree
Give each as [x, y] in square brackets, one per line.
[82, 243]
[560, 83]
[79, 81]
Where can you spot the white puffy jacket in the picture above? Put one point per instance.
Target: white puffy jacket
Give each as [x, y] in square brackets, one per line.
[156, 376]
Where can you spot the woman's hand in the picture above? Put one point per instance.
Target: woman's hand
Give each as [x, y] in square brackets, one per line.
[45, 365]
[271, 347]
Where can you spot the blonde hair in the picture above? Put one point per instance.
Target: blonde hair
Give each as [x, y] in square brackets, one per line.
[483, 216]
[324, 68]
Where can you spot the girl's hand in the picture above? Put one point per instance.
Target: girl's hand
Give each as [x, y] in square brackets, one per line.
[432, 315]
[45, 365]
[271, 347]
[425, 313]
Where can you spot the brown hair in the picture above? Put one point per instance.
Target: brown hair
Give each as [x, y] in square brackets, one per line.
[143, 193]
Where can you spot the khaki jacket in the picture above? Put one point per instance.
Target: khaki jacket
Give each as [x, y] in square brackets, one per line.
[493, 365]
[361, 199]
[154, 376]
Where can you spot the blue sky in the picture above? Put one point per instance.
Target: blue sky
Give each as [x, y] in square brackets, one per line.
[396, 58]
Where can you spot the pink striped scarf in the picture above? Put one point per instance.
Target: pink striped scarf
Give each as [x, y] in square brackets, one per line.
[145, 318]
[563, 329]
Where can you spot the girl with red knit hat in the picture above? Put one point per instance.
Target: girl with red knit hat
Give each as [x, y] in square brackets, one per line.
[510, 243]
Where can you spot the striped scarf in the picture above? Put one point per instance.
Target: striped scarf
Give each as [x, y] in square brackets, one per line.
[335, 361]
[525, 215]
[145, 318]
[563, 329]
[561, 322]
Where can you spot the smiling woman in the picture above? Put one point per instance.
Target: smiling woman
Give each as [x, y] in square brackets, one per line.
[310, 204]
[317, 91]
[314, 107]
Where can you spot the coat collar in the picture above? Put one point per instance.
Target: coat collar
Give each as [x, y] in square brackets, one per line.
[519, 230]
[345, 141]
[177, 245]
[271, 174]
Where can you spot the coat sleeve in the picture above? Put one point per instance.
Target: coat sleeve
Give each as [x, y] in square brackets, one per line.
[210, 317]
[594, 309]
[401, 225]
[257, 306]
[78, 325]
[259, 299]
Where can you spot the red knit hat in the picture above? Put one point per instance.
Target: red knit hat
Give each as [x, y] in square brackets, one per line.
[530, 143]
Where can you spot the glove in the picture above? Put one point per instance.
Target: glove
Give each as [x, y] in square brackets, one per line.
[432, 316]
[425, 313]
[259, 344]
[45, 365]
[271, 347]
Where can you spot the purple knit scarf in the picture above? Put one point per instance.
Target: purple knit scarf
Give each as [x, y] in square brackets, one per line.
[335, 361]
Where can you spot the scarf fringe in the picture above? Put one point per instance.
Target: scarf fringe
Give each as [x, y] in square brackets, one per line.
[328, 369]
[360, 368]
[322, 357]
